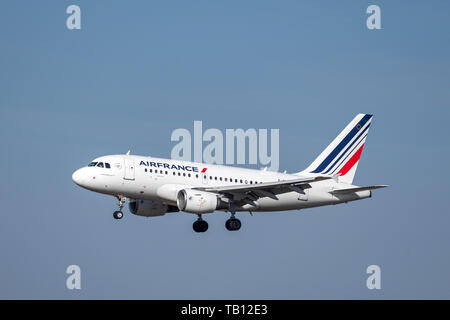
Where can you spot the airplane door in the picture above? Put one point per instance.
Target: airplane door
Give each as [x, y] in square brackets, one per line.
[129, 169]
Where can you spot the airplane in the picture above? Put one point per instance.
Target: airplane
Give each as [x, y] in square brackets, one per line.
[156, 186]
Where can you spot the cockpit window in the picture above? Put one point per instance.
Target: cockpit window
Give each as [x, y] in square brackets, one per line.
[100, 165]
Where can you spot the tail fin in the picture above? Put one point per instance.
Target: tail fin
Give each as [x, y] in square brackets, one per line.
[341, 157]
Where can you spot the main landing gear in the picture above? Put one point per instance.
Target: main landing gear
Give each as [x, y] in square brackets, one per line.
[200, 225]
[233, 224]
[119, 214]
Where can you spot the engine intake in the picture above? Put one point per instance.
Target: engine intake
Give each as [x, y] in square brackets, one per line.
[195, 201]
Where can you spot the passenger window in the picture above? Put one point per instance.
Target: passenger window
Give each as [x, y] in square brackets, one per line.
[179, 174]
[100, 165]
[166, 172]
[251, 182]
[145, 169]
[235, 180]
[220, 179]
[241, 180]
[174, 173]
[226, 179]
[196, 175]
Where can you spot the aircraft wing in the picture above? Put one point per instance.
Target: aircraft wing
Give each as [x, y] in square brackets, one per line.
[267, 189]
[356, 189]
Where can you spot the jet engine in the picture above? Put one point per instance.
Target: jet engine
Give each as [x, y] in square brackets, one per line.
[194, 201]
[149, 208]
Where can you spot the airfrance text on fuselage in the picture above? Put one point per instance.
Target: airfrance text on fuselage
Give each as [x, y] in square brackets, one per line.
[168, 166]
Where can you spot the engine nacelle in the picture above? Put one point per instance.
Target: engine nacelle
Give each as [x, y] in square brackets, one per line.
[194, 201]
[149, 208]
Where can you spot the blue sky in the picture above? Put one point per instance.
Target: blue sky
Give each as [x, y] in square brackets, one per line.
[137, 71]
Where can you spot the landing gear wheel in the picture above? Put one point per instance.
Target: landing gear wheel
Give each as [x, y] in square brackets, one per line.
[200, 226]
[118, 214]
[233, 224]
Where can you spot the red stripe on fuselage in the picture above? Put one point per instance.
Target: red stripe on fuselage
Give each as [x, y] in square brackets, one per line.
[350, 163]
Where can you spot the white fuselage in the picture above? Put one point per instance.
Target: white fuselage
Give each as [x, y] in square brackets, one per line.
[157, 179]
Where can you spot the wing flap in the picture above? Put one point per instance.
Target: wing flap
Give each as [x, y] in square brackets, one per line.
[264, 186]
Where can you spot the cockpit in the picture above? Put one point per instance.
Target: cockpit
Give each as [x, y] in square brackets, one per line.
[100, 165]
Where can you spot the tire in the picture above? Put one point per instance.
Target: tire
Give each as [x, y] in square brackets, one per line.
[200, 226]
[236, 224]
[204, 226]
[118, 215]
[233, 224]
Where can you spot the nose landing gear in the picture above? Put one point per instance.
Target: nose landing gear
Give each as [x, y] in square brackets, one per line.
[200, 225]
[119, 214]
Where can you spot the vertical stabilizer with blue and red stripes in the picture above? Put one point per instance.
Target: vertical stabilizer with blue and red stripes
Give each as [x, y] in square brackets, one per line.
[341, 157]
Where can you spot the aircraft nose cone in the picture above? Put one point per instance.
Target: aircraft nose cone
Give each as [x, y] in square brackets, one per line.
[79, 177]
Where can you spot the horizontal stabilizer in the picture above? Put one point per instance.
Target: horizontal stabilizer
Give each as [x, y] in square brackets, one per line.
[356, 189]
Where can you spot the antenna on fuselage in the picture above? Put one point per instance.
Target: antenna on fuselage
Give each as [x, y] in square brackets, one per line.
[128, 153]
